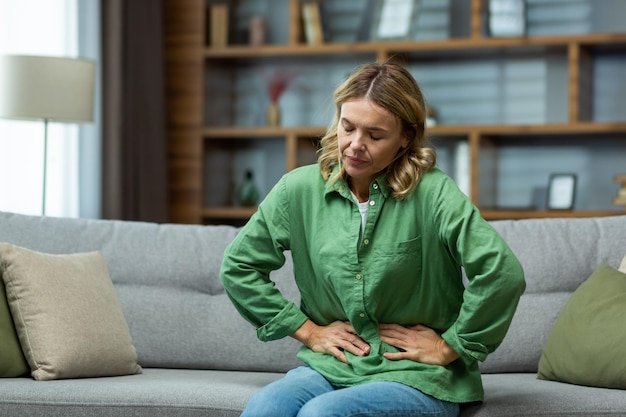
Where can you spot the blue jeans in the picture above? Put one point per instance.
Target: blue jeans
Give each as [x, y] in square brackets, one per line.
[305, 393]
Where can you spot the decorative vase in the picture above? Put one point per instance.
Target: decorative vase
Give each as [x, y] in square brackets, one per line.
[248, 193]
[257, 31]
[273, 114]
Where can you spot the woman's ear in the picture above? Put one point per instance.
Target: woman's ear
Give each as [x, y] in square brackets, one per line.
[407, 136]
[405, 142]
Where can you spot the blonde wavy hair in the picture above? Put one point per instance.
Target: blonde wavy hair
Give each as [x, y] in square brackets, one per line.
[392, 87]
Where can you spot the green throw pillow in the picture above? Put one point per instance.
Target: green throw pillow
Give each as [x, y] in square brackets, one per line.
[587, 344]
[12, 361]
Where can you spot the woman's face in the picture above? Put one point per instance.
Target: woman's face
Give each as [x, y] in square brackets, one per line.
[369, 139]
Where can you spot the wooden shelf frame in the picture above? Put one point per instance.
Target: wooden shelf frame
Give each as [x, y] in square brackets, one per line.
[188, 59]
[445, 130]
[438, 47]
[228, 213]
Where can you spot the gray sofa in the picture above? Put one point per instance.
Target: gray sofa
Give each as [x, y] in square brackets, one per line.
[200, 358]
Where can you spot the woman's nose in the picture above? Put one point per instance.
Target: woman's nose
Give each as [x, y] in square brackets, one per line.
[357, 141]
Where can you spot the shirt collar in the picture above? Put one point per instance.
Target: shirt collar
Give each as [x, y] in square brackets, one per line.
[342, 188]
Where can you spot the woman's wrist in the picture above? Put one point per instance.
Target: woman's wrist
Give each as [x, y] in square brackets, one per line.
[303, 333]
[446, 353]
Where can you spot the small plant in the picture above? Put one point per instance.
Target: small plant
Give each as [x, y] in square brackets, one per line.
[278, 83]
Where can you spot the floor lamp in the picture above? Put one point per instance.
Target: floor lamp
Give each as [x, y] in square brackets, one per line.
[49, 89]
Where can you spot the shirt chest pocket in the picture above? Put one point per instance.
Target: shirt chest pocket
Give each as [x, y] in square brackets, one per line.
[393, 258]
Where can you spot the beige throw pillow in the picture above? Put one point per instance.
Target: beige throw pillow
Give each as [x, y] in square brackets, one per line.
[622, 266]
[66, 314]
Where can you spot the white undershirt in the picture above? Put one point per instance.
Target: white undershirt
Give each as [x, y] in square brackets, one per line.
[363, 210]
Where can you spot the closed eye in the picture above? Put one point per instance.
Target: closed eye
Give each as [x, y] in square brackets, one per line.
[351, 129]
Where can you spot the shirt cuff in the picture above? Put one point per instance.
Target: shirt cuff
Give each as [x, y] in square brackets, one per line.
[283, 324]
[467, 350]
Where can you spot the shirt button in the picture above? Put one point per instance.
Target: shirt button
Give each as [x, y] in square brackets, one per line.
[362, 315]
[358, 276]
[376, 186]
[366, 241]
[372, 203]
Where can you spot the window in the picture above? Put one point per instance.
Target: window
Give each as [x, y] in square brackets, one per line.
[48, 28]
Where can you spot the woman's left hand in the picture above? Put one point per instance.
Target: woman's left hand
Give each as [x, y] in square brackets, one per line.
[419, 343]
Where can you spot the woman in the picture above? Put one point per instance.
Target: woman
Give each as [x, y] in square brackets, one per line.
[378, 236]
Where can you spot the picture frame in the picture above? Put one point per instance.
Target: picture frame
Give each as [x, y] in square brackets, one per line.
[394, 19]
[561, 191]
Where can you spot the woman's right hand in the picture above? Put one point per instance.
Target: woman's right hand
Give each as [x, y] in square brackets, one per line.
[333, 339]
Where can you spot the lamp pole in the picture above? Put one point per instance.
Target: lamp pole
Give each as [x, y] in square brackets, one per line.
[45, 166]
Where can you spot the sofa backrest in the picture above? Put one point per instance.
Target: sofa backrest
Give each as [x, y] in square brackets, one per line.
[557, 256]
[167, 280]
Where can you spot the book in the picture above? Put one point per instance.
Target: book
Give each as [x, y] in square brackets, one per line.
[395, 19]
[219, 25]
[312, 23]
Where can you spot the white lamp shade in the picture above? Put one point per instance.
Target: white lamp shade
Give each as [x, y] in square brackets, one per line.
[38, 87]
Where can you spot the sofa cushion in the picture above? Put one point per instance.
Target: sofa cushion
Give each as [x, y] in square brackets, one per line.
[523, 395]
[557, 256]
[12, 361]
[154, 393]
[587, 345]
[182, 328]
[66, 314]
[520, 350]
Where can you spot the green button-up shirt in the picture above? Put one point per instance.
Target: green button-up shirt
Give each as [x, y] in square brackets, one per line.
[404, 267]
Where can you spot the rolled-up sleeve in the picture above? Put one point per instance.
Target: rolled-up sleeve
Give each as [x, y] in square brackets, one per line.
[495, 281]
[245, 271]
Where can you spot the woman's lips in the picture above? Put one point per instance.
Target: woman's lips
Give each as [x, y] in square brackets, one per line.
[355, 161]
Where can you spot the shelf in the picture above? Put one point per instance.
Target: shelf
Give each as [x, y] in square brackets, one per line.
[443, 130]
[491, 214]
[260, 132]
[545, 129]
[434, 46]
[243, 213]
[226, 213]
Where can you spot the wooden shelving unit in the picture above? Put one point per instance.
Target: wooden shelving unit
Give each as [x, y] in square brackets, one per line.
[190, 62]
[442, 47]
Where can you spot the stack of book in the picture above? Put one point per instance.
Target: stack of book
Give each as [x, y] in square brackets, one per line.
[218, 26]
[620, 200]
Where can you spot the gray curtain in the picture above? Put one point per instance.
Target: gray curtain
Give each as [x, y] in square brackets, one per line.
[134, 141]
